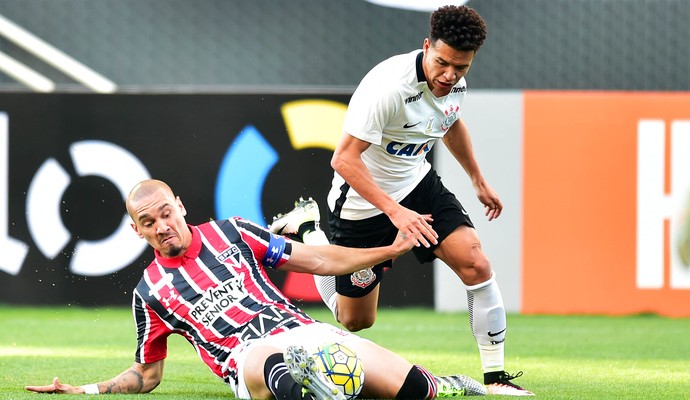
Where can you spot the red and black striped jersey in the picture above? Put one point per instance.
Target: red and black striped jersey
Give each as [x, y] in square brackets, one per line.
[217, 295]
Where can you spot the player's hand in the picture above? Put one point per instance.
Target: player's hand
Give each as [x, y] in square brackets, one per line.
[492, 204]
[403, 243]
[415, 225]
[56, 387]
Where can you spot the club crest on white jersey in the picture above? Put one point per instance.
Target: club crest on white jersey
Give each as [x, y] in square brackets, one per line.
[452, 115]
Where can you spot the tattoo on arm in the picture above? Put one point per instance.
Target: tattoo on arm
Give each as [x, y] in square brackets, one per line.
[109, 387]
[130, 381]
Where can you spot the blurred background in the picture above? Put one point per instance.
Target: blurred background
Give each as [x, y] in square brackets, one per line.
[579, 111]
[271, 45]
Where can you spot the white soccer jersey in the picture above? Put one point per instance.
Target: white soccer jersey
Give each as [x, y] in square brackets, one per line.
[394, 110]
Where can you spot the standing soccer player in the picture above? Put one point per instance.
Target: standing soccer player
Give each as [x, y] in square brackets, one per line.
[383, 183]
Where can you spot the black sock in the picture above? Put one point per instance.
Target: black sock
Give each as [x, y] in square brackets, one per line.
[279, 380]
[417, 385]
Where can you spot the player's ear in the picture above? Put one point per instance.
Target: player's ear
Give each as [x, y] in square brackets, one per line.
[136, 230]
[179, 204]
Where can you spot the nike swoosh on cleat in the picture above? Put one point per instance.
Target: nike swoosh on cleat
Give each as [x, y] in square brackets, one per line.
[491, 334]
[407, 125]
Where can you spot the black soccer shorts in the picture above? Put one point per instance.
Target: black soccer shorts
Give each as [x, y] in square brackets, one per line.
[429, 197]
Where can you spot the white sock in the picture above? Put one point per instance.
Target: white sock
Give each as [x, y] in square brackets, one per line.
[324, 284]
[326, 287]
[488, 321]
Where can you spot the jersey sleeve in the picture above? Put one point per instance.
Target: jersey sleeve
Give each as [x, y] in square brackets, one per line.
[371, 107]
[152, 332]
[269, 249]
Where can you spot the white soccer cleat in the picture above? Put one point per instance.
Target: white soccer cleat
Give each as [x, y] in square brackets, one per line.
[458, 385]
[303, 369]
[503, 385]
[507, 390]
[304, 211]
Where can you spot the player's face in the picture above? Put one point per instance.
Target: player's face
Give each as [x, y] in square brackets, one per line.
[444, 66]
[159, 218]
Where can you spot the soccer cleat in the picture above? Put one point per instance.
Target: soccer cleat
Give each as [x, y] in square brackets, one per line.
[288, 224]
[500, 383]
[458, 385]
[304, 371]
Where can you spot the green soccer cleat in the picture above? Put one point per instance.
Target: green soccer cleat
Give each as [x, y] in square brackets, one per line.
[458, 385]
[303, 369]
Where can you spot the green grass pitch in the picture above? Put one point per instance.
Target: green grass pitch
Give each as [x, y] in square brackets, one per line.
[563, 357]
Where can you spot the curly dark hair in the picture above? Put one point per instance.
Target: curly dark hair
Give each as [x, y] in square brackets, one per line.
[460, 27]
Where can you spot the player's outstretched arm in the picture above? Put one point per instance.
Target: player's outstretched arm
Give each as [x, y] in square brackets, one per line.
[337, 260]
[139, 378]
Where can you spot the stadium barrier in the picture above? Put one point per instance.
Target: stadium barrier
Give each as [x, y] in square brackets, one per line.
[595, 187]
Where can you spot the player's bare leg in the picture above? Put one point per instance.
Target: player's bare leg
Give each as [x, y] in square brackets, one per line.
[385, 370]
[254, 371]
[357, 313]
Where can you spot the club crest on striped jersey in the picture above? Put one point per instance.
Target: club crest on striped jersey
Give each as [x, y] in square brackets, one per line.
[232, 251]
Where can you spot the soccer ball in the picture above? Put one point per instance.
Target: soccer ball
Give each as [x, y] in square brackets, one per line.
[342, 366]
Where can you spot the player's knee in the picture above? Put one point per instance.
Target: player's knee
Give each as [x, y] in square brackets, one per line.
[355, 322]
[482, 267]
[476, 271]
